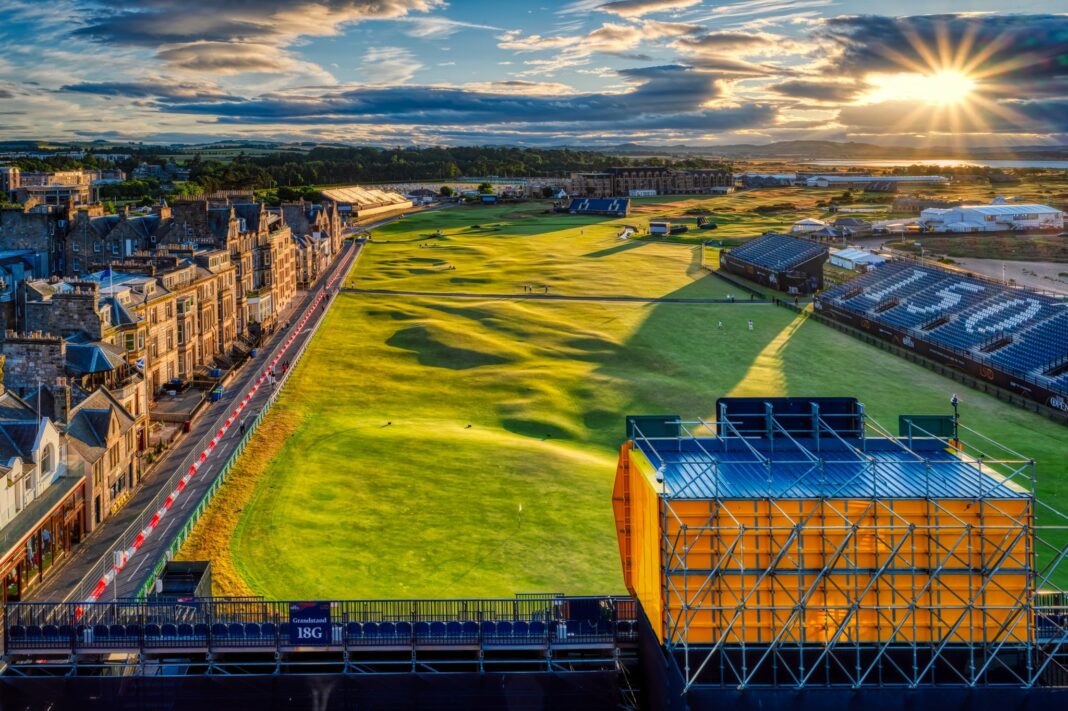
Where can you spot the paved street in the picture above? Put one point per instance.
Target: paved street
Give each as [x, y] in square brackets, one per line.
[83, 565]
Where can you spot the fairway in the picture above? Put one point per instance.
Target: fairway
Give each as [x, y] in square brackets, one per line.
[432, 446]
[506, 250]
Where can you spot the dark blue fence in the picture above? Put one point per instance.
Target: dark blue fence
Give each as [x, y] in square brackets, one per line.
[258, 624]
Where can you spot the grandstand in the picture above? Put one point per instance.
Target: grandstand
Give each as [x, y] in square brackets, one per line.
[779, 261]
[1015, 338]
[611, 207]
[796, 542]
[356, 203]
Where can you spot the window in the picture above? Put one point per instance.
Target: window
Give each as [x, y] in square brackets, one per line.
[96, 247]
[131, 341]
[74, 247]
[48, 460]
[115, 248]
[77, 264]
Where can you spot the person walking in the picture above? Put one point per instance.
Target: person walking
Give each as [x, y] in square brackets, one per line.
[750, 324]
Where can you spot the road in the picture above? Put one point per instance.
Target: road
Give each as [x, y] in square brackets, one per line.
[78, 576]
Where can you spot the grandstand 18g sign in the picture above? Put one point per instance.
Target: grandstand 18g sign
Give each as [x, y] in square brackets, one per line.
[309, 623]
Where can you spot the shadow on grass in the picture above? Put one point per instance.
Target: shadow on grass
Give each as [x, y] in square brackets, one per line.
[432, 352]
[615, 249]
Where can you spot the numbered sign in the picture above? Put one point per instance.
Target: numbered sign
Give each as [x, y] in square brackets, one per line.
[309, 623]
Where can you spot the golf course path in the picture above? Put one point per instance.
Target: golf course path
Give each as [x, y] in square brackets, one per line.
[551, 297]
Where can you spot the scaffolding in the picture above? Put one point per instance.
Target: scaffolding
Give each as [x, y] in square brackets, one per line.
[798, 543]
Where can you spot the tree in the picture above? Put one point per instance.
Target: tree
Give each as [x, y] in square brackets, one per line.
[445, 191]
[485, 188]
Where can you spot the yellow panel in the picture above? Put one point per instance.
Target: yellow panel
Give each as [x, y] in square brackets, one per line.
[637, 509]
[885, 564]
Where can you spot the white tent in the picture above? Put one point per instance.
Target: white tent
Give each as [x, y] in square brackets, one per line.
[809, 224]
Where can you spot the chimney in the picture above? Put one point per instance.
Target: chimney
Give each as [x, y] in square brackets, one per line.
[61, 396]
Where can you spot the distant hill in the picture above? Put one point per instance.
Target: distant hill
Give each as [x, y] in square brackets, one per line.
[837, 150]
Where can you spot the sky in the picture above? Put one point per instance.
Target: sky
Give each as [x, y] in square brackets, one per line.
[578, 73]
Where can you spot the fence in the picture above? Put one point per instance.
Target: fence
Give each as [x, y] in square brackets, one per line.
[212, 623]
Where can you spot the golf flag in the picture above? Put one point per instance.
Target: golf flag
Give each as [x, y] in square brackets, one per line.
[140, 364]
[106, 274]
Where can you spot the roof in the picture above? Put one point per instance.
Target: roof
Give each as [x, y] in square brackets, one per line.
[1013, 209]
[708, 468]
[37, 511]
[857, 255]
[90, 422]
[363, 197]
[806, 448]
[96, 357]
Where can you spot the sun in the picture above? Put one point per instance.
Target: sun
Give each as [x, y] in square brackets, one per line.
[940, 88]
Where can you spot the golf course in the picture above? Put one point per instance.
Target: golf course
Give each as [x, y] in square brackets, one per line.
[452, 432]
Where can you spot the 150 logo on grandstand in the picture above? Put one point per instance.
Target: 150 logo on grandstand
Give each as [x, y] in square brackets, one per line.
[1058, 403]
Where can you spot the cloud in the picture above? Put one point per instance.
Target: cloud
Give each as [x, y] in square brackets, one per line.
[1025, 48]
[233, 36]
[638, 8]
[1020, 116]
[827, 91]
[661, 97]
[388, 65]
[155, 88]
[438, 27]
[574, 50]
[727, 42]
[5, 94]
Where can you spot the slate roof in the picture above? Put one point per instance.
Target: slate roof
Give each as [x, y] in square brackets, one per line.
[90, 422]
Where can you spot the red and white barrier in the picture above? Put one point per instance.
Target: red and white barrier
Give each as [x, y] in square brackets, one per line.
[123, 559]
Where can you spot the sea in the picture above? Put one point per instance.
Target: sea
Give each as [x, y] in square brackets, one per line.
[946, 162]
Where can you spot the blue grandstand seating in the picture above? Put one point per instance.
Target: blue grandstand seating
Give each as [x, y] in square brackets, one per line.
[617, 207]
[778, 252]
[1018, 331]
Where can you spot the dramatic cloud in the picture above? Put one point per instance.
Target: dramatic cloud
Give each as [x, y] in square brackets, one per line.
[832, 92]
[662, 97]
[1027, 48]
[1006, 117]
[156, 88]
[637, 8]
[233, 36]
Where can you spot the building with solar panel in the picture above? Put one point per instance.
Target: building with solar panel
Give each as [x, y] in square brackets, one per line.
[782, 262]
[796, 543]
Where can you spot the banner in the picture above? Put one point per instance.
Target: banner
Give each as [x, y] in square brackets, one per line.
[309, 623]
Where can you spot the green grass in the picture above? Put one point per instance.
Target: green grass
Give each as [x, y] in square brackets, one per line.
[417, 427]
[514, 248]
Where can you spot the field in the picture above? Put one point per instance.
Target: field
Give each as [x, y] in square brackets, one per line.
[443, 446]
[1033, 248]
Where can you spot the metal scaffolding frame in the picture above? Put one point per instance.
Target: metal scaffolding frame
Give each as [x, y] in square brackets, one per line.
[982, 634]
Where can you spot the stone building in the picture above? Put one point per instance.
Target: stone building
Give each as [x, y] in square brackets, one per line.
[101, 440]
[621, 182]
[42, 502]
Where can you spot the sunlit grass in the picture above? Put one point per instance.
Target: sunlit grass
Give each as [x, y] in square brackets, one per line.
[398, 457]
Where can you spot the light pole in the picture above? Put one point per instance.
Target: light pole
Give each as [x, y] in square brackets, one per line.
[954, 401]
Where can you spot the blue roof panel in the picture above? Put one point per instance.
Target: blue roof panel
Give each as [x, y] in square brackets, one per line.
[730, 468]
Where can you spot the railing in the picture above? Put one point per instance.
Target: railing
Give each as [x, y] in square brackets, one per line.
[212, 623]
